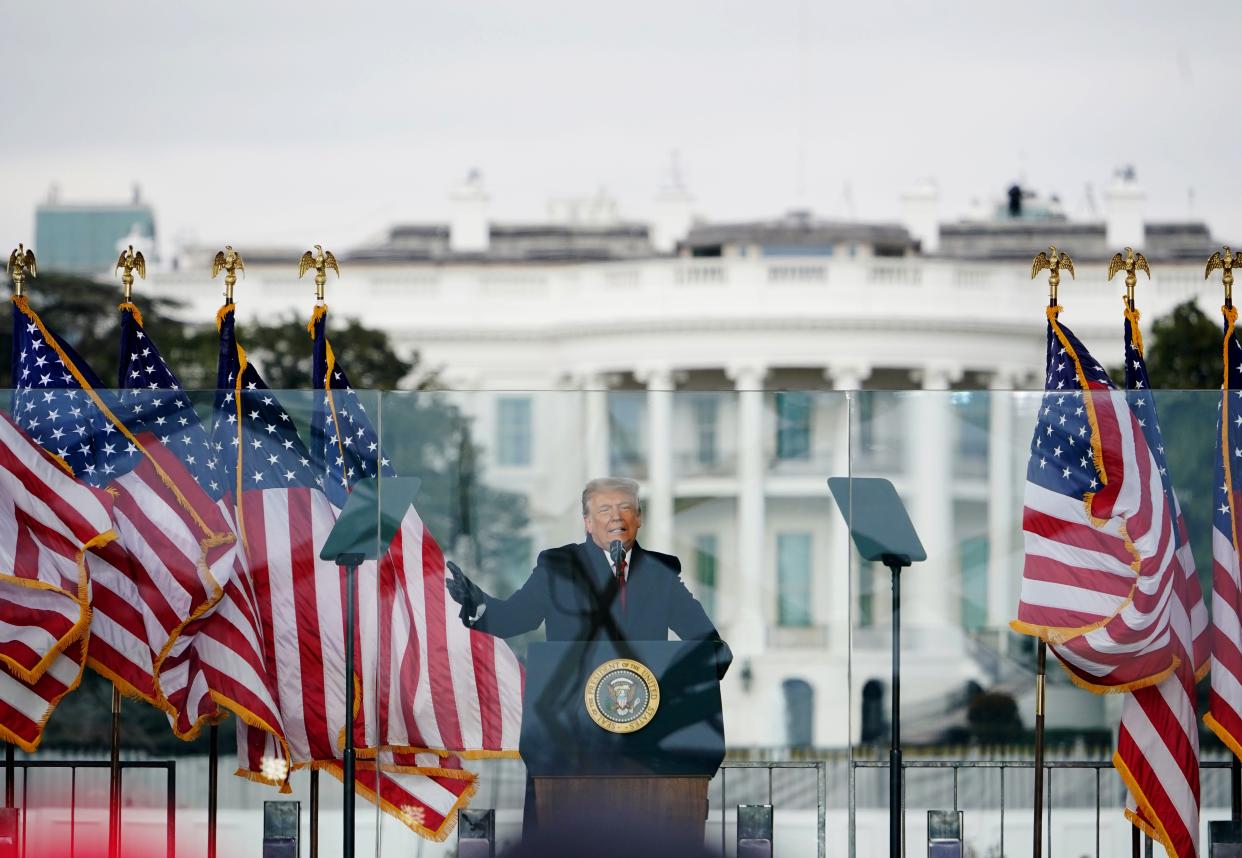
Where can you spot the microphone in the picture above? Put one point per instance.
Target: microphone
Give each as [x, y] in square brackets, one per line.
[616, 552]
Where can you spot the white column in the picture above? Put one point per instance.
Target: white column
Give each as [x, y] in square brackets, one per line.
[747, 634]
[1002, 513]
[934, 591]
[849, 379]
[658, 508]
[595, 391]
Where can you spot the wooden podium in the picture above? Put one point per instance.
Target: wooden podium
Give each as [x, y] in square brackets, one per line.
[596, 747]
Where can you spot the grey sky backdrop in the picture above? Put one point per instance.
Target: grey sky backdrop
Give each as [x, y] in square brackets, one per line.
[258, 122]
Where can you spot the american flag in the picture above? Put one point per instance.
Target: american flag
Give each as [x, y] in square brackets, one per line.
[48, 520]
[418, 645]
[216, 662]
[172, 545]
[1158, 740]
[1225, 706]
[1098, 578]
[285, 517]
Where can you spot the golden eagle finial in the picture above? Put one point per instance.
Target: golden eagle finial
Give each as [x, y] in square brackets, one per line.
[131, 260]
[230, 262]
[1131, 264]
[321, 260]
[1054, 262]
[20, 266]
[1223, 261]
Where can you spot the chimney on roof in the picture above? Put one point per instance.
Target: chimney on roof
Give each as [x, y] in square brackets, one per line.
[920, 214]
[1123, 210]
[468, 227]
[673, 215]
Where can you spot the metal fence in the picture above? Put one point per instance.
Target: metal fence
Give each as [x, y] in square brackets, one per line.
[820, 768]
[1050, 768]
[26, 787]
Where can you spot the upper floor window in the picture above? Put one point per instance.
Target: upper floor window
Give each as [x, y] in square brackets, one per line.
[625, 421]
[706, 414]
[513, 430]
[793, 579]
[793, 425]
[705, 551]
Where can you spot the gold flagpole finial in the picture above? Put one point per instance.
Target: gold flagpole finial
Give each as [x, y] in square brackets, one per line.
[20, 266]
[1224, 261]
[131, 261]
[1132, 263]
[321, 260]
[1054, 262]
[230, 262]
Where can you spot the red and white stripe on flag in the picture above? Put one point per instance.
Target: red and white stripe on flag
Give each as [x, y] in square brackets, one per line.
[220, 662]
[1158, 740]
[174, 552]
[1098, 579]
[48, 521]
[448, 687]
[422, 791]
[429, 690]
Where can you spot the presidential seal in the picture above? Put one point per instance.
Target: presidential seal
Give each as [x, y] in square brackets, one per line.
[622, 696]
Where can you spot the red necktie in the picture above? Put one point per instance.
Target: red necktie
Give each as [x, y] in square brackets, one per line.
[621, 578]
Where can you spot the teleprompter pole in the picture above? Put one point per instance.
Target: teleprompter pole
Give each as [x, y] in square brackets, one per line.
[895, 815]
[1041, 664]
[350, 562]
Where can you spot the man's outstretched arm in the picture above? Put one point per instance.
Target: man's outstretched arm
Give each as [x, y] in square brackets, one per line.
[521, 612]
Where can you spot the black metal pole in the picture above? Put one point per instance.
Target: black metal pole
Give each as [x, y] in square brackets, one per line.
[1235, 789]
[1136, 841]
[10, 767]
[171, 787]
[348, 773]
[114, 785]
[1041, 663]
[314, 813]
[213, 786]
[894, 756]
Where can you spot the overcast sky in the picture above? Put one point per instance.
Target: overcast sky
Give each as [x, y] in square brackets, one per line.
[262, 122]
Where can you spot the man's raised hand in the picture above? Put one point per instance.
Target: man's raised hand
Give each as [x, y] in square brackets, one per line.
[464, 591]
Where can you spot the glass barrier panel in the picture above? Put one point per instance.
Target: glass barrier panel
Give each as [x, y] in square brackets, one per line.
[227, 499]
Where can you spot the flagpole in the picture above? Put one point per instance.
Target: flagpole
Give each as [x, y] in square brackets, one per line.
[22, 263]
[114, 786]
[314, 813]
[213, 786]
[1235, 765]
[1053, 262]
[1041, 660]
[10, 766]
[320, 261]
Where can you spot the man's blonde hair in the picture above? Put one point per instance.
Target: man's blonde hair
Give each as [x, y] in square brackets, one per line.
[610, 484]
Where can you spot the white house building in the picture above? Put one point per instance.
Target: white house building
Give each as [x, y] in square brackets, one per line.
[712, 361]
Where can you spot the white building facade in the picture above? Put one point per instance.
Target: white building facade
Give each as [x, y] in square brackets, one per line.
[731, 377]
